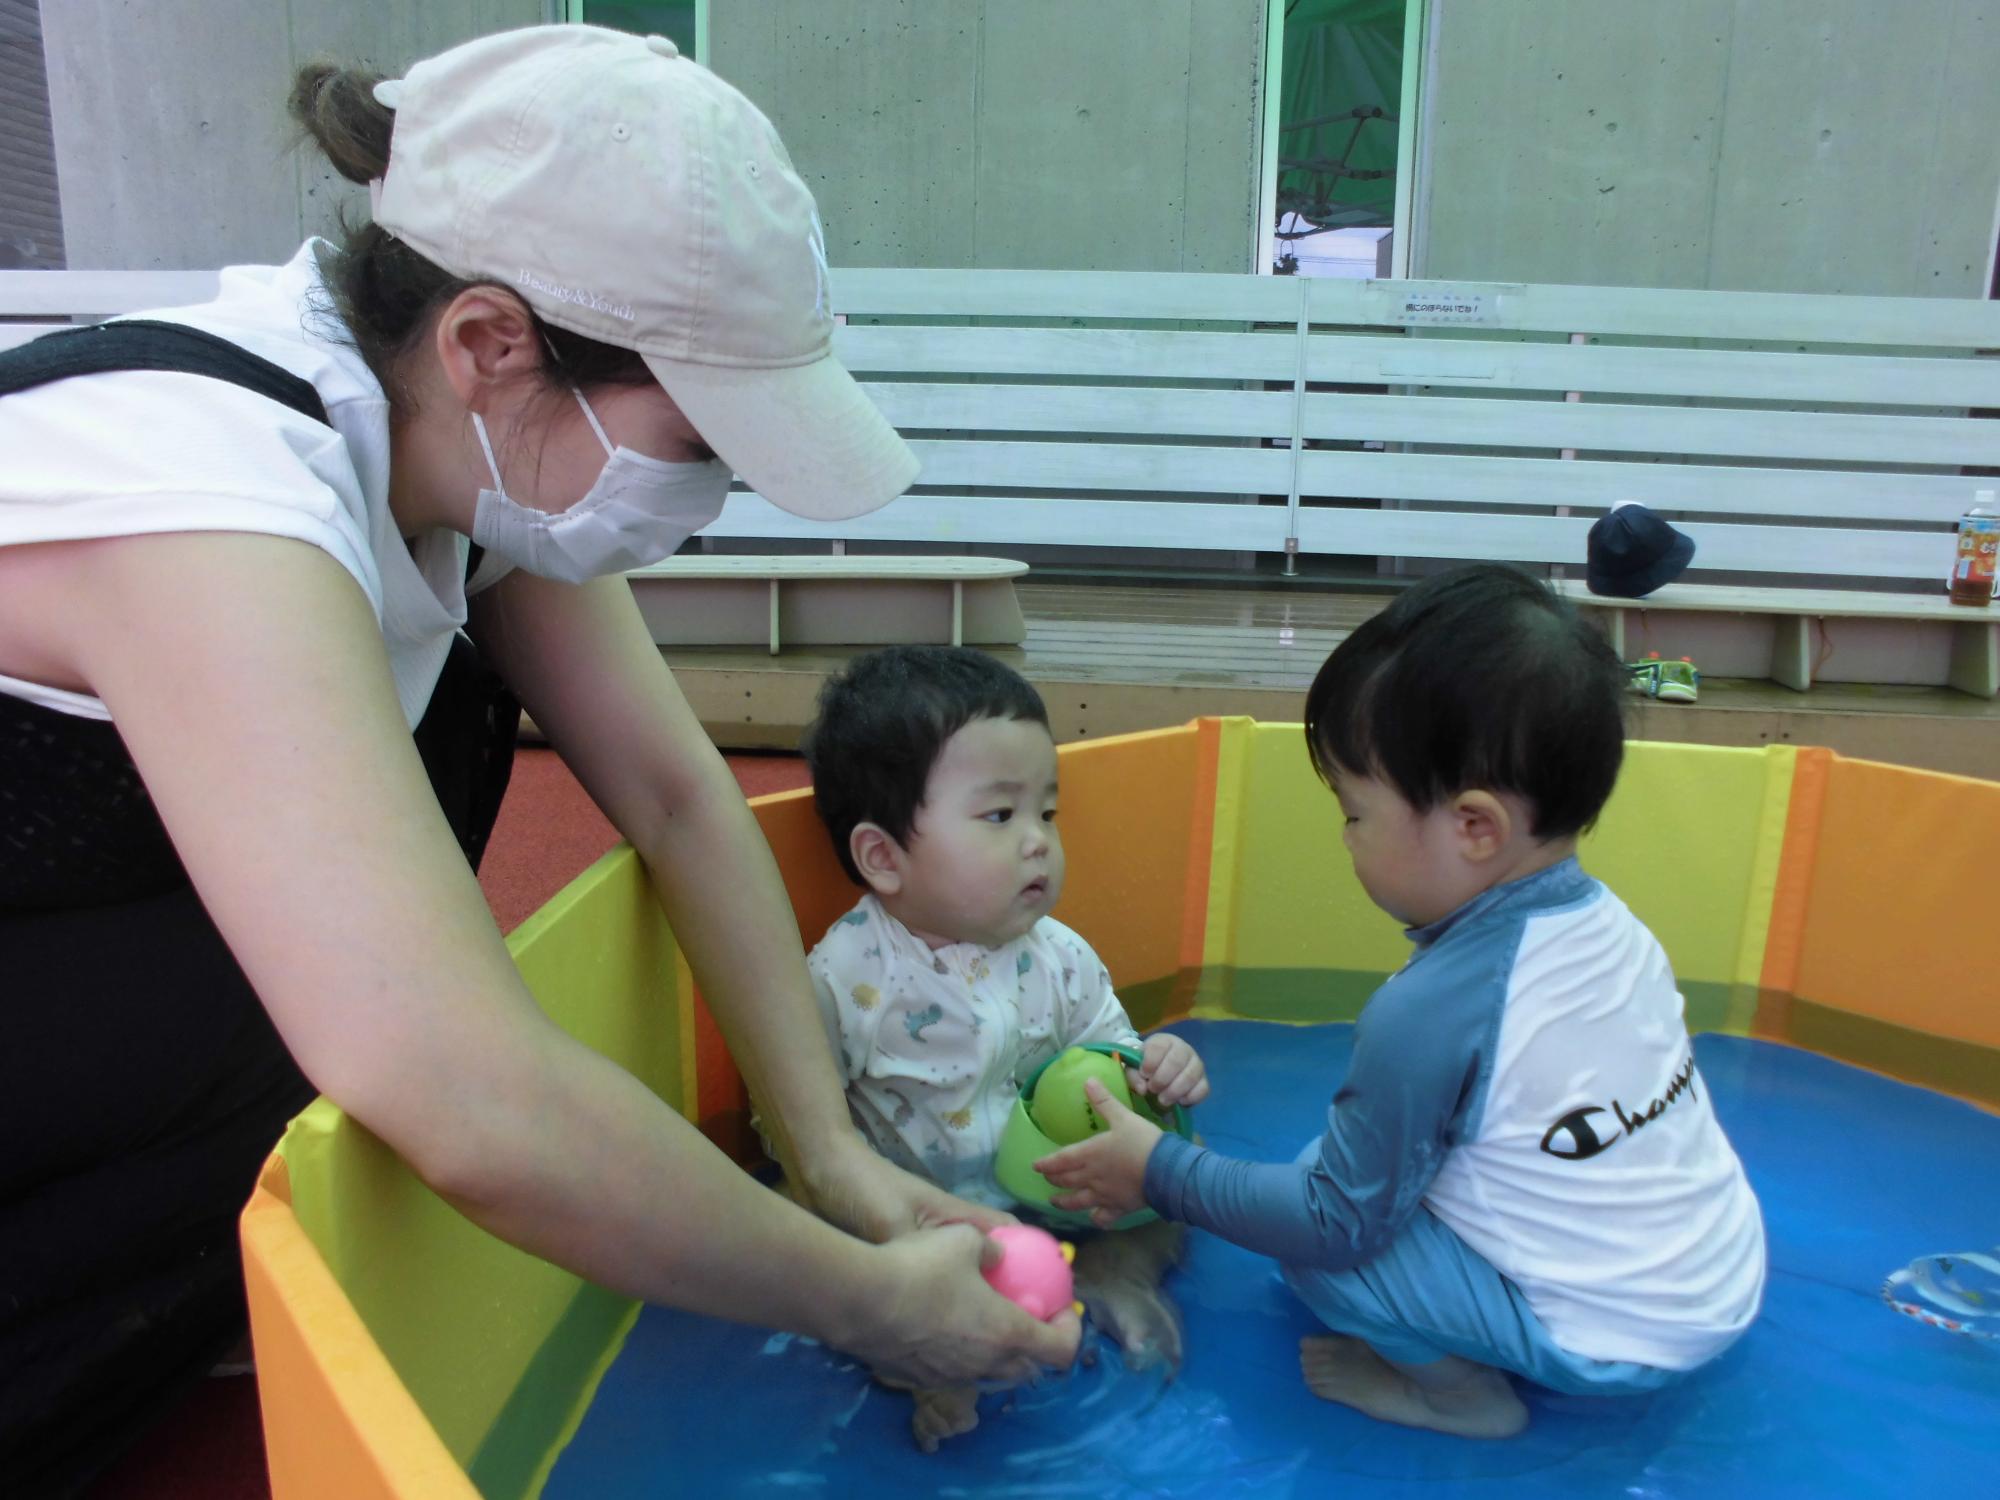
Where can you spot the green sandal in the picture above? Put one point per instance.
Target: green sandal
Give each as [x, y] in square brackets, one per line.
[1669, 681]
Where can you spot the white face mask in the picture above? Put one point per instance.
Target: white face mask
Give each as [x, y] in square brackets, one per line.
[640, 510]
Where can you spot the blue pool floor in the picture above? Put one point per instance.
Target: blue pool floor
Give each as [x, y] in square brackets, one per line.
[1831, 1393]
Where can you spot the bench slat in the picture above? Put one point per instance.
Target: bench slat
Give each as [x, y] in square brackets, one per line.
[1676, 312]
[1194, 296]
[1739, 374]
[1714, 489]
[1157, 468]
[1168, 411]
[1139, 353]
[1625, 428]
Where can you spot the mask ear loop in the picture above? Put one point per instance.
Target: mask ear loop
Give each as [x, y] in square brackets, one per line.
[556, 362]
[610, 448]
[486, 447]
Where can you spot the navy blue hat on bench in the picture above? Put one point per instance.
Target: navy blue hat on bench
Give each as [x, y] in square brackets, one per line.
[1632, 552]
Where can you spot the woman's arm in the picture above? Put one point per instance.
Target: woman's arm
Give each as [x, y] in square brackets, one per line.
[583, 663]
[247, 676]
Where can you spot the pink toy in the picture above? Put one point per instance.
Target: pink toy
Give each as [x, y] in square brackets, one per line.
[1034, 1273]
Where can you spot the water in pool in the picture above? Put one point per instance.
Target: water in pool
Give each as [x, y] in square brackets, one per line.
[1830, 1393]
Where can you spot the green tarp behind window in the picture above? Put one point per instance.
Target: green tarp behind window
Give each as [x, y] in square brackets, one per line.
[643, 19]
[1340, 55]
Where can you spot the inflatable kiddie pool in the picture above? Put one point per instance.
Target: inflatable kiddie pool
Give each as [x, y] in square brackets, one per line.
[1824, 916]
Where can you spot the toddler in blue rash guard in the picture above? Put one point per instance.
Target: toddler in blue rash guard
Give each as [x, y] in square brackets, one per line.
[1521, 1171]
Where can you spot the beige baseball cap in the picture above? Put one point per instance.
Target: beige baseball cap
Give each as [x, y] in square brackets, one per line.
[629, 195]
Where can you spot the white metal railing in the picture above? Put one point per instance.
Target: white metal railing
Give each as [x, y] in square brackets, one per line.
[1487, 415]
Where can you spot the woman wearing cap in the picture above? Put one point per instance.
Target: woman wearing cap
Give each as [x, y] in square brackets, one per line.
[244, 752]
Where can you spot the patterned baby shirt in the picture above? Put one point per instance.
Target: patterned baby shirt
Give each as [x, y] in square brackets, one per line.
[934, 1044]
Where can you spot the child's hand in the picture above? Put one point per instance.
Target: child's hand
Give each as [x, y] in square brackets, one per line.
[1170, 1071]
[1105, 1175]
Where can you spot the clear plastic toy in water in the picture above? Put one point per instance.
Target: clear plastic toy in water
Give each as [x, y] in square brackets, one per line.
[1958, 1293]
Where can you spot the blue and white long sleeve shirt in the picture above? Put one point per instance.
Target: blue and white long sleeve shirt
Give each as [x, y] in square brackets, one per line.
[1529, 1078]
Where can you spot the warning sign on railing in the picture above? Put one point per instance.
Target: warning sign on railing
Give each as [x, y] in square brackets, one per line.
[1436, 304]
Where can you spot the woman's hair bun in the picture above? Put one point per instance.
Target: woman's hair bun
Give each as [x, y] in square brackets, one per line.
[337, 109]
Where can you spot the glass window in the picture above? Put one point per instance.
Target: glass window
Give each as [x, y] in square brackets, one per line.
[1341, 83]
[686, 21]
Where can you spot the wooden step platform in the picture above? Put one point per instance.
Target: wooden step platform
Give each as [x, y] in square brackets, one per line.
[1113, 658]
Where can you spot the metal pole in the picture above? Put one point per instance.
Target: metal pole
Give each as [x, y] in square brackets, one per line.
[1298, 431]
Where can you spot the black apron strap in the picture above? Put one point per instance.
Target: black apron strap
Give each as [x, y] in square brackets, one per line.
[466, 739]
[144, 344]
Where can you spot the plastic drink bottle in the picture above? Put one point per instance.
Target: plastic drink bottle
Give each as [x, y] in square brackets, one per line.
[1973, 568]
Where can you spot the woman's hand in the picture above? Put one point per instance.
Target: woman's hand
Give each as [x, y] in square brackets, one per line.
[1105, 1175]
[867, 1195]
[942, 1325]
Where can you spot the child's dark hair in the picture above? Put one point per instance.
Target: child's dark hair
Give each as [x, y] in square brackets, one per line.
[1481, 677]
[882, 723]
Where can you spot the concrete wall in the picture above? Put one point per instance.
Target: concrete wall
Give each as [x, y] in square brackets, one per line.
[170, 131]
[1794, 145]
[1112, 134]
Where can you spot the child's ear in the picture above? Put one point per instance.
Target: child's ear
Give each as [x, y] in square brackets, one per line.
[1482, 823]
[878, 857]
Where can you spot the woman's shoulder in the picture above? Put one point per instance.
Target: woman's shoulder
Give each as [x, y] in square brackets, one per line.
[148, 451]
[287, 314]
[151, 451]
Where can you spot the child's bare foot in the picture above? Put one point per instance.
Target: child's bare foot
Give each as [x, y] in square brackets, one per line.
[1453, 1395]
[1139, 1319]
[943, 1414]
[1118, 1281]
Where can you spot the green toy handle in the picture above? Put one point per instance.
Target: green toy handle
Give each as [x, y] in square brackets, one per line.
[1174, 1120]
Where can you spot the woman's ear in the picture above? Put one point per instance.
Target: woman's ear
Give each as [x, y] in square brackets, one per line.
[485, 339]
[1482, 824]
[878, 857]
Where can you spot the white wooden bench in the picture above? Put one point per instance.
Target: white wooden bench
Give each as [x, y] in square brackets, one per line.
[831, 601]
[1799, 633]
[1805, 442]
